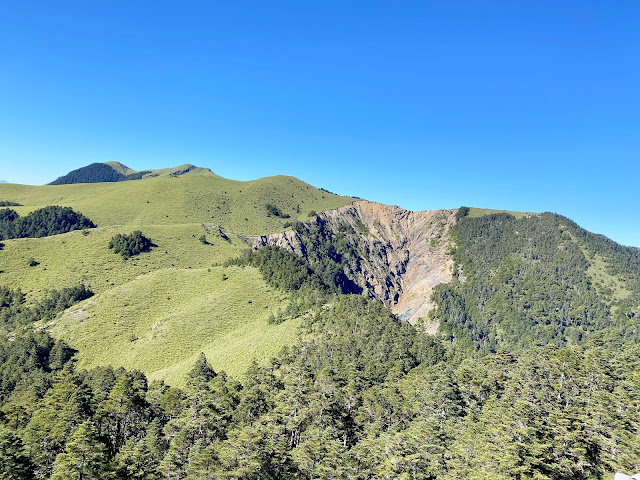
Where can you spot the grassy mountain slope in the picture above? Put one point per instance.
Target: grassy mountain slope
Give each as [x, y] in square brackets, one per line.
[121, 168]
[208, 314]
[160, 322]
[72, 258]
[206, 199]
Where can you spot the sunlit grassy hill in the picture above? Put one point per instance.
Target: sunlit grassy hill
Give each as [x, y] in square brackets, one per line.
[160, 322]
[207, 199]
[173, 299]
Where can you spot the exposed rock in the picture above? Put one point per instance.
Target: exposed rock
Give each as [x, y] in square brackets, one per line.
[402, 253]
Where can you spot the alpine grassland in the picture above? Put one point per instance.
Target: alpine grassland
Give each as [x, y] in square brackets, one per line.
[157, 310]
[161, 321]
[202, 199]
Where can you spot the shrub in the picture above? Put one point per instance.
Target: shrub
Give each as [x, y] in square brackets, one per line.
[130, 245]
[462, 212]
[274, 211]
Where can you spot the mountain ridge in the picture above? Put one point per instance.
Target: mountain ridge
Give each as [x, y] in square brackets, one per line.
[117, 172]
[395, 256]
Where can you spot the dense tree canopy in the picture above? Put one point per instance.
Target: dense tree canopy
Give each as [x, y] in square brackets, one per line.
[130, 245]
[524, 383]
[360, 396]
[525, 282]
[96, 173]
[43, 222]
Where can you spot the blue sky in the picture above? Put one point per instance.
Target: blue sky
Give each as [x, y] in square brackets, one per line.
[521, 105]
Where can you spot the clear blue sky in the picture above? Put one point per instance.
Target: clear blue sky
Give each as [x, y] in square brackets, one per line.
[426, 104]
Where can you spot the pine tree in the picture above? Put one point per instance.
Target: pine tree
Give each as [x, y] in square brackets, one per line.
[84, 457]
[202, 372]
[139, 459]
[14, 463]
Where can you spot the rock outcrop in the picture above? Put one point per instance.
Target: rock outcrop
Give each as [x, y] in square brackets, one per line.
[402, 254]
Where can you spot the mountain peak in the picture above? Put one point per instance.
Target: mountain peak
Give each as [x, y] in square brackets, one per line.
[118, 172]
[120, 168]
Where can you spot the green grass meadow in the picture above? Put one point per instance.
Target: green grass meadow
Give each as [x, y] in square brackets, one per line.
[157, 311]
[159, 322]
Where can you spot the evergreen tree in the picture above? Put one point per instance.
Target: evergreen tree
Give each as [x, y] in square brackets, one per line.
[15, 464]
[202, 372]
[84, 457]
[139, 459]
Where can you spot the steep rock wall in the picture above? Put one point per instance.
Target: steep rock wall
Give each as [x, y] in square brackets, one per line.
[401, 254]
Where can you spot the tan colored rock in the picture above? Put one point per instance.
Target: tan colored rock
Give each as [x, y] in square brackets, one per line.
[403, 253]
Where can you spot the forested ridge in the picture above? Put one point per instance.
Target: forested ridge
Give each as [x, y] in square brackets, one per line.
[359, 396]
[96, 173]
[525, 282]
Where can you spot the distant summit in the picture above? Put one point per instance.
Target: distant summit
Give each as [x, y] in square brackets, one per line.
[3, 181]
[117, 172]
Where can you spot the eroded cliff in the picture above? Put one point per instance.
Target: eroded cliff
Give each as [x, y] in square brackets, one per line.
[394, 255]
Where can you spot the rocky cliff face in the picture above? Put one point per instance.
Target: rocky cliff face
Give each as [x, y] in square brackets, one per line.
[401, 254]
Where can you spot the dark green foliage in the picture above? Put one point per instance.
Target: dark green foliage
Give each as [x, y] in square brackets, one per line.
[1, 245]
[331, 253]
[52, 220]
[25, 363]
[202, 371]
[97, 173]
[274, 211]
[14, 312]
[84, 457]
[203, 239]
[94, 173]
[33, 262]
[9, 221]
[525, 284]
[223, 235]
[130, 245]
[462, 212]
[282, 269]
[15, 464]
[312, 213]
[360, 396]
[43, 222]
[6, 203]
